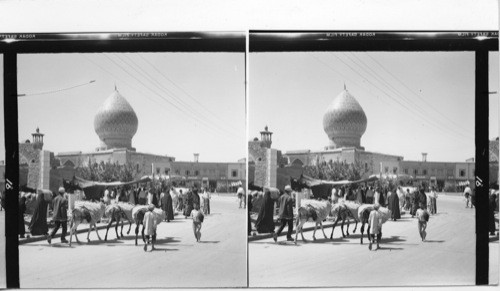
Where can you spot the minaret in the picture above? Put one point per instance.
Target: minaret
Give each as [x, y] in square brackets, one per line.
[37, 139]
[265, 138]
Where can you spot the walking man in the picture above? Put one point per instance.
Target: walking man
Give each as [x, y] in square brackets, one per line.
[285, 214]
[467, 194]
[240, 193]
[59, 216]
[433, 197]
[375, 225]
[149, 224]
[423, 218]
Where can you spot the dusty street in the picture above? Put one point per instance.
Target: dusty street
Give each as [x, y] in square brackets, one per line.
[219, 260]
[446, 258]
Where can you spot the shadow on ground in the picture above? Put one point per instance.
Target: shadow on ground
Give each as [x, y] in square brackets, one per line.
[280, 243]
[384, 248]
[434, 241]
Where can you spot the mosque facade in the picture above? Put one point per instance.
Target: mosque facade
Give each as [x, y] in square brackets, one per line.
[116, 123]
[344, 123]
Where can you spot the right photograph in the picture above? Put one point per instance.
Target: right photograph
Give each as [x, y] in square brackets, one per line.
[368, 159]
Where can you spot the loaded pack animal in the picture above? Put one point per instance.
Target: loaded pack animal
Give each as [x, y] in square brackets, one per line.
[117, 212]
[85, 212]
[364, 213]
[138, 215]
[312, 210]
[345, 211]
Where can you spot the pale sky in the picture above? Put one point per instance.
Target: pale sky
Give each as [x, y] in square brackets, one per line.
[207, 89]
[290, 92]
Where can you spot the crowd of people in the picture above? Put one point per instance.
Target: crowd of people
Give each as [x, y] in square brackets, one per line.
[419, 202]
[170, 199]
[393, 197]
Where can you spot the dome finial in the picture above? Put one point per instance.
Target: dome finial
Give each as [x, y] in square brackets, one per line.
[116, 122]
[344, 121]
[115, 87]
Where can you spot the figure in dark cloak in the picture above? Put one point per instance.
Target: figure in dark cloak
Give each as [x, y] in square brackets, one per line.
[265, 220]
[22, 210]
[491, 214]
[394, 206]
[166, 204]
[188, 204]
[38, 224]
[422, 198]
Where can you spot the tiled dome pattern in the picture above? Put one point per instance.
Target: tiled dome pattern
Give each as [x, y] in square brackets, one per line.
[116, 122]
[344, 121]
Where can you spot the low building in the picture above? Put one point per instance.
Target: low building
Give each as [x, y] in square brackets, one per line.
[220, 176]
[443, 175]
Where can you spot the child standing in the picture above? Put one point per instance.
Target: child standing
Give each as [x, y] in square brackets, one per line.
[423, 218]
[149, 223]
[198, 217]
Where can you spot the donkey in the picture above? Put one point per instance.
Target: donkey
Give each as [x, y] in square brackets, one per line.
[364, 213]
[312, 210]
[138, 216]
[343, 211]
[119, 212]
[85, 212]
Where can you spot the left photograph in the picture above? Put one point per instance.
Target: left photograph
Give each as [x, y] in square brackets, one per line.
[129, 165]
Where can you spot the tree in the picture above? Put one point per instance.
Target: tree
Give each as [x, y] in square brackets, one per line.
[107, 172]
[335, 171]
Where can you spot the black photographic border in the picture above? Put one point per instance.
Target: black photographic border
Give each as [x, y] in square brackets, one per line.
[479, 42]
[12, 44]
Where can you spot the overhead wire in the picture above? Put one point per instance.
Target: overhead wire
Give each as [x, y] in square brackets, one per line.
[117, 78]
[422, 111]
[411, 111]
[187, 113]
[184, 91]
[411, 91]
[178, 99]
[344, 76]
[201, 117]
[125, 82]
[154, 92]
[55, 91]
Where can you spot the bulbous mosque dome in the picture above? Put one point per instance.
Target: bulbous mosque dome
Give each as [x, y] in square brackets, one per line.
[344, 121]
[116, 122]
